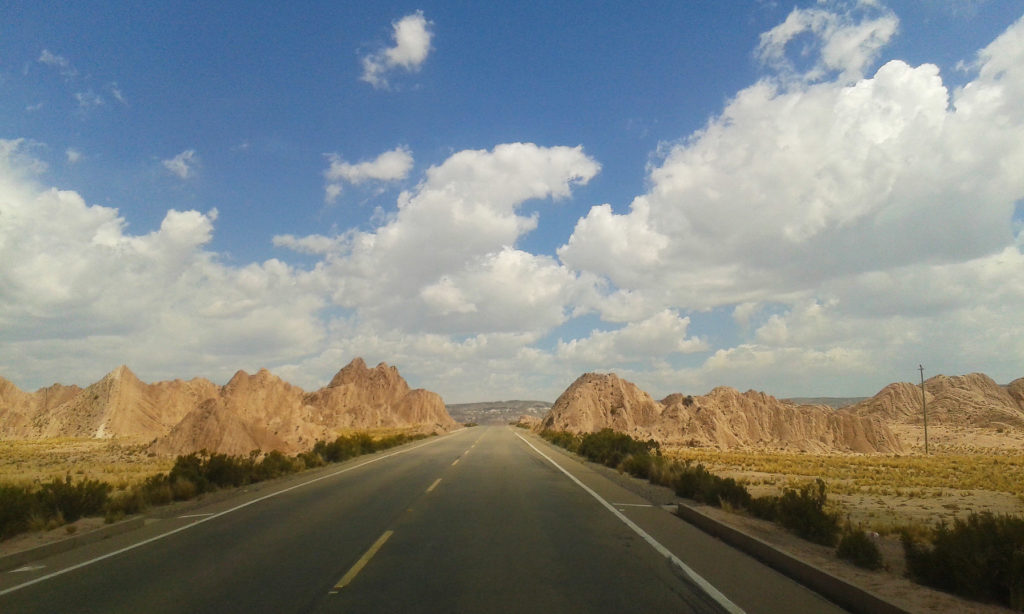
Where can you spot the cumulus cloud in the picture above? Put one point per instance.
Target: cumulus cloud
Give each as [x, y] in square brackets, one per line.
[183, 165]
[391, 165]
[72, 155]
[654, 338]
[79, 294]
[789, 188]
[446, 261]
[411, 36]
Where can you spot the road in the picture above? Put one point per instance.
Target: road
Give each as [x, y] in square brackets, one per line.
[488, 519]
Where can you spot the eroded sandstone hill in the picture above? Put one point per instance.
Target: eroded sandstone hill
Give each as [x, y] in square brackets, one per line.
[972, 400]
[258, 411]
[724, 418]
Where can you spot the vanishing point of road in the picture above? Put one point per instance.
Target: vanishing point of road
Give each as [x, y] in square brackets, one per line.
[486, 519]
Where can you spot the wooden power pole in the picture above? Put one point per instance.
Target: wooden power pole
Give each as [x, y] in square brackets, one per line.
[924, 408]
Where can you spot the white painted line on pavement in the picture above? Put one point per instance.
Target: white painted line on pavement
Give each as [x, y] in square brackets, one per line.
[212, 516]
[434, 485]
[27, 568]
[713, 592]
[196, 515]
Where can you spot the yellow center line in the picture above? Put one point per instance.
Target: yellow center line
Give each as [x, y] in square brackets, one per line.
[348, 577]
[456, 462]
[434, 485]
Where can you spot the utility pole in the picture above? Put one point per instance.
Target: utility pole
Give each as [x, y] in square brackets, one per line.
[924, 408]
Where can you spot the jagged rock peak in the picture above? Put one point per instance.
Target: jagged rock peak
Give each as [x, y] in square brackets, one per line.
[357, 372]
[121, 374]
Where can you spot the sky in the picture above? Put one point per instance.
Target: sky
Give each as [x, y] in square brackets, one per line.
[805, 199]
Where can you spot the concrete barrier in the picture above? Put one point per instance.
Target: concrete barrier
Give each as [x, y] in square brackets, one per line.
[17, 559]
[836, 590]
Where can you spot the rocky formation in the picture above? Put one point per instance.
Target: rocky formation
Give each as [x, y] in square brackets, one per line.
[259, 411]
[972, 401]
[596, 401]
[724, 418]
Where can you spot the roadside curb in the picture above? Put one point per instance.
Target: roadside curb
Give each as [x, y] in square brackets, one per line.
[10, 561]
[834, 589]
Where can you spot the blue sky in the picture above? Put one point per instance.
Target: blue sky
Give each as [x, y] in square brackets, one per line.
[805, 198]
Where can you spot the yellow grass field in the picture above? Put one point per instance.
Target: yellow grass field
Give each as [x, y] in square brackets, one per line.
[38, 460]
[121, 464]
[882, 493]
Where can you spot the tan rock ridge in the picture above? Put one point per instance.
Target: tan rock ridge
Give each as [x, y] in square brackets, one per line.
[973, 400]
[259, 411]
[724, 419]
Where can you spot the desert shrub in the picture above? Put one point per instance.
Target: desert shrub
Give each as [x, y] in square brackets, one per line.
[183, 489]
[16, 503]
[856, 547]
[802, 511]
[696, 482]
[274, 464]
[611, 448]
[980, 558]
[190, 467]
[224, 470]
[765, 508]
[563, 439]
[638, 465]
[72, 500]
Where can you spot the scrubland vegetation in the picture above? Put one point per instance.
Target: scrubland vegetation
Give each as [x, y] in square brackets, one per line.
[979, 557]
[45, 505]
[872, 474]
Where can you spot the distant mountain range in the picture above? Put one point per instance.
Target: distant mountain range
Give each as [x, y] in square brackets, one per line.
[497, 412]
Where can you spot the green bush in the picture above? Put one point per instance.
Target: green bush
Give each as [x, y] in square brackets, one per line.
[699, 484]
[610, 448]
[16, 503]
[856, 547]
[980, 558]
[765, 508]
[803, 512]
[563, 439]
[72, 500]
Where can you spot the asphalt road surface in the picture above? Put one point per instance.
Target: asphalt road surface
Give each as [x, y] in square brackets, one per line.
[488, 519]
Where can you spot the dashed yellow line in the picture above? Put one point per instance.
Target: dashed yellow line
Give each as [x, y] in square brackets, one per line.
[352, 573]
[434, 485]
[456, 462]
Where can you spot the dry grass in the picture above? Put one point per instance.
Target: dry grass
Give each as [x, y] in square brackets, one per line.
[883, 493]
[30, 461]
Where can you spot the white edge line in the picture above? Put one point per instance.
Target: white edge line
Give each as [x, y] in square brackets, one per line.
[211, 517]
[713, 592]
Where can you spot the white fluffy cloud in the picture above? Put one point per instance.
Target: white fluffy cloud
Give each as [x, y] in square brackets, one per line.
[79, 294]
[791, 187]
[844, 43]
[391, 165]
[654, 338]
[446, 261]
[183, 165]
[412, 45]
